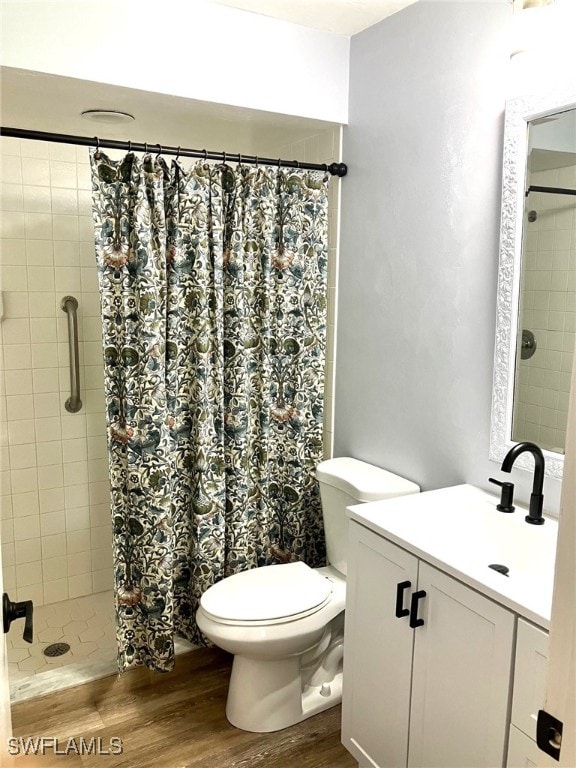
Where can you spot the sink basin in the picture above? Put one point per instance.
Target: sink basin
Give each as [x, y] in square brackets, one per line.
[460, 531]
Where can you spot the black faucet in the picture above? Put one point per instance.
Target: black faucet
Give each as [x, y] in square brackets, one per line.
[534, 515]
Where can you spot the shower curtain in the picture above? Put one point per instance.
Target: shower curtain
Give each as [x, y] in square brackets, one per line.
[213, 289]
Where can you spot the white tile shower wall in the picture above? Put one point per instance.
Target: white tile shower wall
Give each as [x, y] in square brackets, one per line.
[325, 147]
[549, 311]
[56, 532]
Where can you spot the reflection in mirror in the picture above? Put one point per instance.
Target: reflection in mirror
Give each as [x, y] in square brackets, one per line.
[536, 305]
[547, 297]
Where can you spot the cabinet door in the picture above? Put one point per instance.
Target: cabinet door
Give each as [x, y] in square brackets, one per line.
[529, 676]
[377, 651]
[461, 677]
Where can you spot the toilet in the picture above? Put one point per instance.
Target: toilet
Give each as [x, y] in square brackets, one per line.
[285, 623]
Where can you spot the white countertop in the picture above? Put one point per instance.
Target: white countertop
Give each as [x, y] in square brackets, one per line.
[460, 531]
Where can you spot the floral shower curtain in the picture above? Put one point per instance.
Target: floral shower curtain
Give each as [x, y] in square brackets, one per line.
[213, 288]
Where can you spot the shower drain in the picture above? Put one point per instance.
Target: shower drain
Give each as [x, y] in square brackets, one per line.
[56, 649]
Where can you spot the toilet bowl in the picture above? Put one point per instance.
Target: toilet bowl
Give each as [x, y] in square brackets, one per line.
[285, 623]
[266, 686]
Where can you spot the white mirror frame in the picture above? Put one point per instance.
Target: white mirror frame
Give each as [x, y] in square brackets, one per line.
[519, 112]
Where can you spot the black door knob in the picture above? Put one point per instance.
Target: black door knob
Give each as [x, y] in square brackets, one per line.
[12, 611]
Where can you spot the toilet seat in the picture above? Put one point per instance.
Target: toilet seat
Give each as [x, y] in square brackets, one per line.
[273, 594]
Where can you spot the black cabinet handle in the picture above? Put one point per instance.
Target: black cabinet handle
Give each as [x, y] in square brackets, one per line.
[12, 611]
[414, 620]
[400, 588]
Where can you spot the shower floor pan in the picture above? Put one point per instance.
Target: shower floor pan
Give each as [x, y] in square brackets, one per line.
[87, 625]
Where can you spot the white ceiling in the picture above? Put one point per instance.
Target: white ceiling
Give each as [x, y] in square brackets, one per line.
[51, 103]
[345, 17]
[44, 102]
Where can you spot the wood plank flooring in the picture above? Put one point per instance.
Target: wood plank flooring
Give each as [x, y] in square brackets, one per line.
[173, 720]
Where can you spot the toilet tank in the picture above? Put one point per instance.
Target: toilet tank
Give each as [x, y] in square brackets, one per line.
[343, 482]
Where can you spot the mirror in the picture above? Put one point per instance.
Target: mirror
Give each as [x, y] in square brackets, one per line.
[536, 302]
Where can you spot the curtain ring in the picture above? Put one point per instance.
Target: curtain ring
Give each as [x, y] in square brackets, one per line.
[279, 163]
[298, 164]
[224, 158]
[97, 153]
[145, 147]
[177, 155]
[129, 146]
[205, 155]
[239, 159]
[256, 160]
[159, 151]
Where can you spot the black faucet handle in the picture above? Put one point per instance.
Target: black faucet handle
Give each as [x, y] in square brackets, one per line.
[506, 495]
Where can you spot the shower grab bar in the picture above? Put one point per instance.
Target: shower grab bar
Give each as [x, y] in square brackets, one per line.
[69, 305]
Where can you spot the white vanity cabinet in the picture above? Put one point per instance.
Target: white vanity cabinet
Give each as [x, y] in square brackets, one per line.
[433, 695]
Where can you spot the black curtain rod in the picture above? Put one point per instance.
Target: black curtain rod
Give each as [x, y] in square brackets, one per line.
[335, 169]
[551, 190]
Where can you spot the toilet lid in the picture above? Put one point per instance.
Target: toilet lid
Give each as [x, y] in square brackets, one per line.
[267, 594]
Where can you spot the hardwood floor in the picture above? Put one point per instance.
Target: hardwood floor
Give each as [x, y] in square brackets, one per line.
[174, 720]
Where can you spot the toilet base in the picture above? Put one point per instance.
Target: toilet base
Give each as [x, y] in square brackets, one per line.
[266, 696]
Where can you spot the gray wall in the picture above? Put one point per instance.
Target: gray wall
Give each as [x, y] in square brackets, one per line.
[419, 244]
